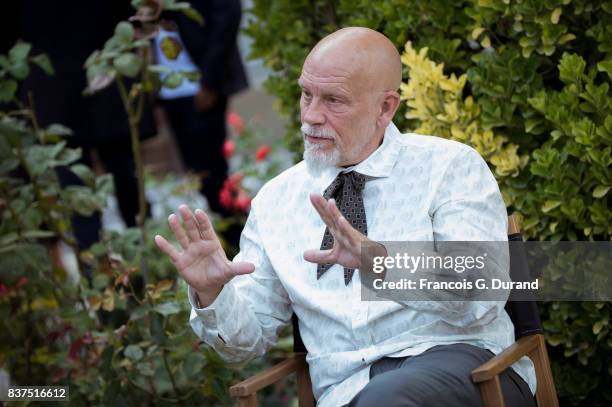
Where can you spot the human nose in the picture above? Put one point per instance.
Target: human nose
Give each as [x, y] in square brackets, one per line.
[312, 113]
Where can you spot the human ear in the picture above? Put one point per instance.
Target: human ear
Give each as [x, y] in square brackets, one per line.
[388, 107]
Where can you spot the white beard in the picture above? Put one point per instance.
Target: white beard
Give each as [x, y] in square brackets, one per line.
[317, 160]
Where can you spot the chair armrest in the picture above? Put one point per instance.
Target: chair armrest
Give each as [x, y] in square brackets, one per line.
[504, 360]
[268, 376]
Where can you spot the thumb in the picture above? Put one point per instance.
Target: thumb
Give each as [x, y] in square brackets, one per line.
[319, 256]
[241, 267]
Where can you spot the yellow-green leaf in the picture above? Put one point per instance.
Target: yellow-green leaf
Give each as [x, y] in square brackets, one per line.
[600, 191]
[556, 14]
[550, 205]
[476, 32]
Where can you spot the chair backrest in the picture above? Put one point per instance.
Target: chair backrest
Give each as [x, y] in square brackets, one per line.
[524, 314]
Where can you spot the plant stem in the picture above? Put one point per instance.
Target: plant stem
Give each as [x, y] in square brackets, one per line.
[176, 392]
[33, 118]
[133, 120]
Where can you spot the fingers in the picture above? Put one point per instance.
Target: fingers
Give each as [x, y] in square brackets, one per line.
[203, 223]
[178, 231]
[320, 256]
[167, 248]
[320, 205]
[334, 212]
[347, 232]
[190, 223]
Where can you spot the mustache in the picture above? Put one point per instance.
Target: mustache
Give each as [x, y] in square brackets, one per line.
[313, 131]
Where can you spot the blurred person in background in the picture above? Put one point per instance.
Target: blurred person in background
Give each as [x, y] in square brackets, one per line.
[196, 110]
[68, 32]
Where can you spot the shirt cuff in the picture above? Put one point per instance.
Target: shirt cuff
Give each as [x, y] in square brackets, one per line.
[210, 314]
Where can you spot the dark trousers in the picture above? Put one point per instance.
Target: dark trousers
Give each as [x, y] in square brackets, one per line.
[117, 158]
[440, 376]
[200, 137]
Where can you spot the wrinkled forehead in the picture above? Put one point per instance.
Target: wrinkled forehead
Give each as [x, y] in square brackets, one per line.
[344, 73]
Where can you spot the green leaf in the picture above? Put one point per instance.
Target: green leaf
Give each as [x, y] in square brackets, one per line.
[571, 68]
[19, 52]
[600, 191]
[168, 308]
[159, 69]
[194, 15]
[140, 312]
[192, 76]
[145, 369]
[550, 205]
[57, 129]
[133, 352]
[124, 32]
[19, 69]
[38, 234]
[43, 61]
[173, 80]
[555, 15]
[8, 87]
[157, 329]
[128, 64]
[4, 62]
[85, 174]
[597, 327]
[8, 164]
[605, 66]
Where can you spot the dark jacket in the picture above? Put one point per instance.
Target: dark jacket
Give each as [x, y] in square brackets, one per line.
[68, 31]
[213, 46]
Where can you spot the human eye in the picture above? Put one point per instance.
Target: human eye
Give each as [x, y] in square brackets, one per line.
[306, 94]
[335, 102]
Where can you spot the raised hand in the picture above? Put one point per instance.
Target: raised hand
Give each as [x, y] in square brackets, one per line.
[347, 240]
[202, 263]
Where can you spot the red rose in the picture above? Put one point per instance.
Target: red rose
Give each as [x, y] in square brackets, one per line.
[243, 201]
[262, 153]
[225, 196]
[3, 290]
[228, 148]
[235, 179]
[235, 122]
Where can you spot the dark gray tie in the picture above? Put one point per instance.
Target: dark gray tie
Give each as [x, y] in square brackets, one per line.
[346, 189]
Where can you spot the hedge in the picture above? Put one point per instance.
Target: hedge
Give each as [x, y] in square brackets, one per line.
[526, 83]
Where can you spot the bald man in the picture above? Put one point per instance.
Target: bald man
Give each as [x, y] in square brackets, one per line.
[361, 181]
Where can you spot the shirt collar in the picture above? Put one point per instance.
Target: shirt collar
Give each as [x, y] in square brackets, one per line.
[379, 164]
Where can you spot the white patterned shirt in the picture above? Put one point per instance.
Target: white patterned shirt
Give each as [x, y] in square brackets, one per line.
[425, 188]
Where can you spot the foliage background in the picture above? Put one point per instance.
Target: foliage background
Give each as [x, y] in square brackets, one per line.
[117, 332]
[526, 83]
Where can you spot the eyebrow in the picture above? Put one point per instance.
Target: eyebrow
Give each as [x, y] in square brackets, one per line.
[337, 92]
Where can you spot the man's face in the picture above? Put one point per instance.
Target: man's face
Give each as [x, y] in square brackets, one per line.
[338, 115]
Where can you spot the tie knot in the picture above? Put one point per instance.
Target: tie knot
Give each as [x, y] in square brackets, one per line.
[349, 180]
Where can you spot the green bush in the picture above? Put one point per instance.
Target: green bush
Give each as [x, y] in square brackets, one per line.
[531, 92]
[115, 335]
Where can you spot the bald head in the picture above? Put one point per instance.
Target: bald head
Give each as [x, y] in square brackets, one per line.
[349, 95]
[366, 54]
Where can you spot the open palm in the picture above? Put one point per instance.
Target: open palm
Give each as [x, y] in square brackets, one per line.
[202, 263]
[346, 250]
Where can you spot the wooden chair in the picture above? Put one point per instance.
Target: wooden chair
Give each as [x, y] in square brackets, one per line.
[529, 342]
